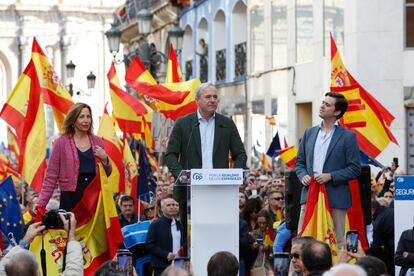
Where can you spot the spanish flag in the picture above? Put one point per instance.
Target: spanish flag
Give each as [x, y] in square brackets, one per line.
[98, 229]
[128, 110]
[13, 143]
[365, 115]
[23, 111]
[318, 222]
[53, 91]
[288, 154]
[130, 169]
[173, 68]
[113, 148]
[173, 100]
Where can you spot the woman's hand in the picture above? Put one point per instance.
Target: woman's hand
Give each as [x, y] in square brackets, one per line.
[101, 154]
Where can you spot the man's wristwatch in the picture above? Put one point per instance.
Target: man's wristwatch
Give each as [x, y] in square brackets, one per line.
[24, 244]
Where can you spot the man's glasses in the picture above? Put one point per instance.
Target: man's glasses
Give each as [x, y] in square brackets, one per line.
[294, 256]
[277, 198]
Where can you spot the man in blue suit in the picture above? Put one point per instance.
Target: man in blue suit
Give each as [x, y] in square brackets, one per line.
[330, 153]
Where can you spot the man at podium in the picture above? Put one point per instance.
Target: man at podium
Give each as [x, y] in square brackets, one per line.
[202, 139]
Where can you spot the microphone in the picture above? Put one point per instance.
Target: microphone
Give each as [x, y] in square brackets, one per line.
[188, 143]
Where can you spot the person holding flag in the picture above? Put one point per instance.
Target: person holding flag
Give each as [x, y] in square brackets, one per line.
[73, 158]
[329, 155]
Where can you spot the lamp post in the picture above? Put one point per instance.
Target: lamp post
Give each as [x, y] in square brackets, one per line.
[148, 54]
[70, 72]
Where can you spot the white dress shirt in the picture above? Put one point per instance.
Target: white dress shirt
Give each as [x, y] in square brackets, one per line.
[207, 129]
[321, 148]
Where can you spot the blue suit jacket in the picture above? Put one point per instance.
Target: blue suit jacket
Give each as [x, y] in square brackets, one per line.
[342, 161]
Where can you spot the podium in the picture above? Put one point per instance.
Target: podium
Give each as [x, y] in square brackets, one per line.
[214, 215]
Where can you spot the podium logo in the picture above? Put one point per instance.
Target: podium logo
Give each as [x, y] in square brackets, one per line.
[197, 176]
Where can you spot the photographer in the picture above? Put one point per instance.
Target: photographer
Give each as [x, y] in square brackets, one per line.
[12, 263]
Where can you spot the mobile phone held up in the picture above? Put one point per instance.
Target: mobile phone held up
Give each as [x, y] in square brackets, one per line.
[124, 259]
[352, 241]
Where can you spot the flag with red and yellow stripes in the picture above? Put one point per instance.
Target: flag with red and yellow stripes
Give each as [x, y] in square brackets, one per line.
[113, 149]
[318, 222]
[131, 169]
[288, 154]
[173, 100]
[24, 112]
[367, 117]
[173, 68]
[98, 229]
[53, 91]
[13, 143]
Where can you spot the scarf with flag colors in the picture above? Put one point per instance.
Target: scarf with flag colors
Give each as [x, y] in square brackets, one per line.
[318, 222]
[24, 112]
[53, 91]
[97, 229]
[367, 117]
[113, 148]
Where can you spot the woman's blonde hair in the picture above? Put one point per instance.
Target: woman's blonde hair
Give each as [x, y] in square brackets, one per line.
[72, 116]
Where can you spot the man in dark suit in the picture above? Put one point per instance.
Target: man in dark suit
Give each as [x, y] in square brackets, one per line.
[164, 237]
[202, 139]
[329, 153]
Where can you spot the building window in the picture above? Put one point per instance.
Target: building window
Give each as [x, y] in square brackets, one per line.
[304, 30]
[333, 23]
[221, 65]
[257, 36]
[240, 60]
[409, 23]
[279, 33]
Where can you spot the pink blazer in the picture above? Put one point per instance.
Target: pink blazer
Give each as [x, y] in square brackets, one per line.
[63, 166]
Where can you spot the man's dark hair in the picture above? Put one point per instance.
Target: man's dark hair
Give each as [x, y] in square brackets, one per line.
[316, 256]
[126, 198]
[23, 264]
[372, 265]
[223, 263]
[109, 268]
[341, 103]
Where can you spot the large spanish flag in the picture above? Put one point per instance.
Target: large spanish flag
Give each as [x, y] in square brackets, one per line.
[365, 116]
[113, 149]
[53, 91]
[98, 229]
[128, 110]
[24, 112]
[173, 100]
[318, 221]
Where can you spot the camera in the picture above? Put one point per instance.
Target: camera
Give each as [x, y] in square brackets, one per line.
[51, 219]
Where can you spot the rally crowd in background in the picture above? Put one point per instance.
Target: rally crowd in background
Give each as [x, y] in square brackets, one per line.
[263, 229]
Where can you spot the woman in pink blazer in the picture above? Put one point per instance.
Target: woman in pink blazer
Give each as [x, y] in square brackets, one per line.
[72, 164]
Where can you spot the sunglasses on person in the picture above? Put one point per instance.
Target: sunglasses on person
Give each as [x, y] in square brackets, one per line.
[294, 256]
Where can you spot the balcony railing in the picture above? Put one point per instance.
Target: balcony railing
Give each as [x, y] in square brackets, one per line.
[132, 7]
[240, 53]
[203, 68]
[221, 65]
[188, 69]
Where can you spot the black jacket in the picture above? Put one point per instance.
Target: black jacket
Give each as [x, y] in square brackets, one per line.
[159, 241]
[406, 243]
